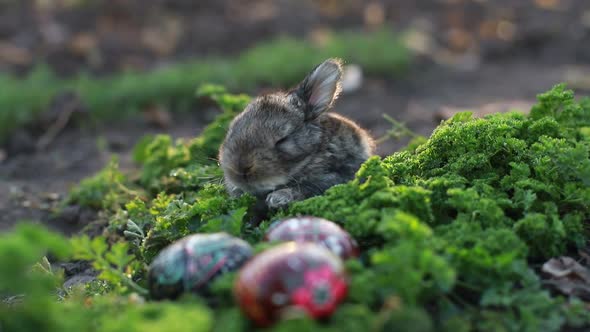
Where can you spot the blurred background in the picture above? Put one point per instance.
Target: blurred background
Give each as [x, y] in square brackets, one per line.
[83, 79]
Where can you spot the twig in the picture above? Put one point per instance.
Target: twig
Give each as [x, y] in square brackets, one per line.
[57, 126]
[397, 131]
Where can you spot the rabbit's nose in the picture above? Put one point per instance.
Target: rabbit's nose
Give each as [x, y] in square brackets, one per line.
[244, 170]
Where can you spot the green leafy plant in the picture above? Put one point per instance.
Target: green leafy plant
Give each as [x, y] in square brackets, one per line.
[114, 263]
[451, 230]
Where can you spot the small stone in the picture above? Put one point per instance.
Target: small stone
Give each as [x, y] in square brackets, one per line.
[70, 214]
[51, 196]
[78, 280]
[352, 78]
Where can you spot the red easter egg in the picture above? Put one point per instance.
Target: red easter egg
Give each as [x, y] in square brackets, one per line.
[301, 278]
[316, 230]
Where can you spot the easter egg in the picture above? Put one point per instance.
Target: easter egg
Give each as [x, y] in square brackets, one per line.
[291, 279]
[316, 230]
[191, 263]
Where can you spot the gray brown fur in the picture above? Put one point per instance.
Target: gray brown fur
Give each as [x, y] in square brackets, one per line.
[285, 147]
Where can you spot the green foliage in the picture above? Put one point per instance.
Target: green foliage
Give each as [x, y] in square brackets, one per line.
[450, 230]
[280, 62]
[107, 189]
[496, 192]
[114, 263]
[189, 164]
[209, 210]
[36, 306]
[19, 250]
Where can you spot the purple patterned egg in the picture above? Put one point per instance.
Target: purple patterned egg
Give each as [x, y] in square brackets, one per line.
[190, 263]
[317, 230]
[291, 278]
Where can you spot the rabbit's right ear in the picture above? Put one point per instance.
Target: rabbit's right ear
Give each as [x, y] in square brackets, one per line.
[320, 88]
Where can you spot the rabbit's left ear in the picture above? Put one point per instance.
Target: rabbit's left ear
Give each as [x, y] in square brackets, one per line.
[320, 88]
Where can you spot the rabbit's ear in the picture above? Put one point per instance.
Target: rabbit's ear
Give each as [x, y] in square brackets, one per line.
[320, 88]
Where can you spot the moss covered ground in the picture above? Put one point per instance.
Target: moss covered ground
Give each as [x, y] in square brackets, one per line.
[452, 229]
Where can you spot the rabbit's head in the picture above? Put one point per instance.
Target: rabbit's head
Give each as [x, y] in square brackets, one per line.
[276, 134]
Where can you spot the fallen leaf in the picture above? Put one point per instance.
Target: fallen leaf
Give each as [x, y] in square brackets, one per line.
[419, 41]
[578, 77]
[548, 4]
[261, 11]
[506, 30]
[14, 55]
[568, 276]
[488, 29]
[320, 36]
[331, 8]
[459, 39]
[50, 196]
[374, 14]
[83, 43]
[158, 116]
[468, 61]
[163, 39]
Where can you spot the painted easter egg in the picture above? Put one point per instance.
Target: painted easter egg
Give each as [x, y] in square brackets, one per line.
[291, 279]
[191, 263]
[317, 230]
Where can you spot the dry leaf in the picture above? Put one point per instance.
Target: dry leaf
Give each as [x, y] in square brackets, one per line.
[164, 38]
[419, 41]
[568, 276]
[459, 39]
[320, 36]
[331, 8]
[83, 43]
[506, 30]
[468, 61]
[374, 14]
[578, 77]
[158, 116]
[13, 54]
[548, 4]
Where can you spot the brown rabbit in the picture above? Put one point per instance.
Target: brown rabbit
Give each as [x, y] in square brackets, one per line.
[285, 147]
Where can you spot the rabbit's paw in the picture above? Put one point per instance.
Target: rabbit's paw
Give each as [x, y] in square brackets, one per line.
[280, 198]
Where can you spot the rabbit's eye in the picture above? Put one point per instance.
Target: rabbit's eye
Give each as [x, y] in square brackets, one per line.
[282, 140]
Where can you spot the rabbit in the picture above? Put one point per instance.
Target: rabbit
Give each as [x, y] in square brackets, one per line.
[286, 147]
